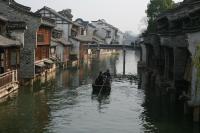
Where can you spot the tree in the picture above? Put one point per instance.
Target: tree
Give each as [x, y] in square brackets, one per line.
[154, 8]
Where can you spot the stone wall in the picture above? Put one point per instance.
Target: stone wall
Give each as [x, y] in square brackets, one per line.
[27, 67]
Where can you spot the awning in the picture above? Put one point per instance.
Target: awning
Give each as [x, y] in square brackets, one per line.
[40, 64]
[6, 42]
[48, 61]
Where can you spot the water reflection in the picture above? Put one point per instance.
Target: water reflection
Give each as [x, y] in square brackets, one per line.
[65, 103]
[160, 114]
[102, 101]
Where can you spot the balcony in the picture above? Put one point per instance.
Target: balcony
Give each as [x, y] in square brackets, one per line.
[8, 83]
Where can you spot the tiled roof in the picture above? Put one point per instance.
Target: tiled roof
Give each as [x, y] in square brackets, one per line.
[77, 24]
[16, 25]
[22, 8]
[61, 41]
[48, 22]
[55, 13]
[6, 42]
[88, 38]
[2, 18]
[66, 13]
[84, 38]
[26, 8]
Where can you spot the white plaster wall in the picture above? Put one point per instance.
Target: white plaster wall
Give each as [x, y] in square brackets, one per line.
[70, 30]
[101, 33]
[194, 40]
[65, 28]
[76, 47]
[120, 38]
[18, 35]
[90, 30]
[59, 52]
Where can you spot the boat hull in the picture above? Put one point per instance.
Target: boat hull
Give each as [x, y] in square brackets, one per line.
[101, 89]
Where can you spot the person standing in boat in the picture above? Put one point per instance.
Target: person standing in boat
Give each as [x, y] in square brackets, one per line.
[99, 80]
[107, 74]
[107, 77]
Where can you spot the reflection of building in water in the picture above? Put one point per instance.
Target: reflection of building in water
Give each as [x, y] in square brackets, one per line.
[68, 78]
[32, 113]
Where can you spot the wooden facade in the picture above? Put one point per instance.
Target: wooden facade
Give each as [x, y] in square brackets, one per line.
[82, 51]
[9, 59]
[43, 43]
[66, 53]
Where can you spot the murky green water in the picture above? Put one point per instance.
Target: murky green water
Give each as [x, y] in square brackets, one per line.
[65, 104]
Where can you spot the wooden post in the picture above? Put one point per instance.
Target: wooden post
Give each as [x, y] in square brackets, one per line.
[124, 62]
[13, 76]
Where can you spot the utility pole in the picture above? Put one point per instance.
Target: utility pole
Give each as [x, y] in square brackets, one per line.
[124, 61]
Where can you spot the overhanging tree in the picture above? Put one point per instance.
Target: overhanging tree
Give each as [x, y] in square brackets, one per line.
[154, 8]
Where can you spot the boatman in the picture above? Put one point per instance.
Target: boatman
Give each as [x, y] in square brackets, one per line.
[107, 74]
[99, 80]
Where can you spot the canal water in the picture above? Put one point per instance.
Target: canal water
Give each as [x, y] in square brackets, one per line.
[64, 103]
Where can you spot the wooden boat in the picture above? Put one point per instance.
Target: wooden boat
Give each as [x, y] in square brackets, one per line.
[105, 88]
[101, 89]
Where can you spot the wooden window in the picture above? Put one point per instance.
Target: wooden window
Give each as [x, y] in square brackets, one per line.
[40, 38]
[42, 52]
[43, 36]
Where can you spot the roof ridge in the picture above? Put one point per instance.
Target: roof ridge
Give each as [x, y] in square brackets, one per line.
[55, 13]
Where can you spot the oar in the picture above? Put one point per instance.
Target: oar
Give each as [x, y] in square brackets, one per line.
[102, 86]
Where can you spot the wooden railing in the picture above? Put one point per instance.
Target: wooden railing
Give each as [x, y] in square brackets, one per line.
[8, 78]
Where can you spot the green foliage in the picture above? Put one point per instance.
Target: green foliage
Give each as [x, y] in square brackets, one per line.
[154, 8]
[196, 59]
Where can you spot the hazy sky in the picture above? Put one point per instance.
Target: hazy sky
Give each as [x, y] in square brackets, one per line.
[127, 15]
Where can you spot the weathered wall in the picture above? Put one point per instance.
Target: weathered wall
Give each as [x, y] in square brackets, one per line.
[65, 28]
[60, 52]
[27, 56]
[18, 35]
[76, 46]
[194, 42]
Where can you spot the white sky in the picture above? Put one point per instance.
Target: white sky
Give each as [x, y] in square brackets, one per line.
[127, 15]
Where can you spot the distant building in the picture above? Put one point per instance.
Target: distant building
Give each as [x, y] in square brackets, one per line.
[105, 31]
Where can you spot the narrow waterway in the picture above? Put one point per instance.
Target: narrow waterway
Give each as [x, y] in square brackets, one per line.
[65, 103]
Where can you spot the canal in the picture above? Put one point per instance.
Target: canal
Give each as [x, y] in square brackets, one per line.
[65, 103]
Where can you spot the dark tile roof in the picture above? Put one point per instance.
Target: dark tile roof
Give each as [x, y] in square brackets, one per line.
[16, 25]
[48, 22]
[11, 25]
[66, 13]
[84, 23]
[55, 13]
[2, 18]
[61, 41]
[6, 42]
[26, 8]
[22, 8]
